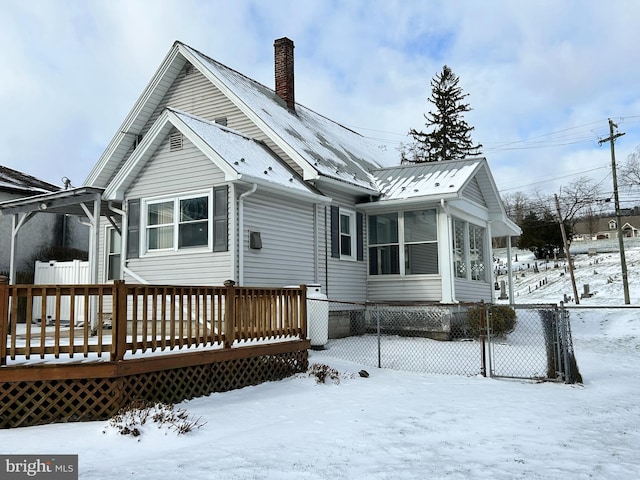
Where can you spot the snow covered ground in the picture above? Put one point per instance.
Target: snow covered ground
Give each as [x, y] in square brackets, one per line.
[406, 425]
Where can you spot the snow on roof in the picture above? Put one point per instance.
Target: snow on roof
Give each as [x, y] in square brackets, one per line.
[248, 157]
[332, 149]
[425, 179]
[18, 182]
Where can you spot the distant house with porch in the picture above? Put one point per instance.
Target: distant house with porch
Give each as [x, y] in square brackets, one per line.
[214, 176]
[607, 228]
[37, 232]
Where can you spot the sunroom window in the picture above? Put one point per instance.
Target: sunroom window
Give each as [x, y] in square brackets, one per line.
[403, 243]
[421, 242]
[469, 260]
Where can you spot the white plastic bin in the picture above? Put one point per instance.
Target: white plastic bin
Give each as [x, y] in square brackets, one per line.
[317, 317]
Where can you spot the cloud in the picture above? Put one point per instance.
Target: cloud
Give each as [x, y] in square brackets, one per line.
[71, 71]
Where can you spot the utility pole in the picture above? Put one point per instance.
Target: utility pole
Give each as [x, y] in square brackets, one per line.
[623, 262]
[566, 251]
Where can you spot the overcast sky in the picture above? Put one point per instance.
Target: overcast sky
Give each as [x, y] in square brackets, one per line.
[543, 77]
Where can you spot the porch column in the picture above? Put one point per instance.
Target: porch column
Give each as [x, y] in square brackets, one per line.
[510, 271]
[96, 239]
[445, 264]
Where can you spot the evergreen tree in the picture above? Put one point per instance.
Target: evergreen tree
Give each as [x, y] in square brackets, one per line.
[448, 136]
[541, 234]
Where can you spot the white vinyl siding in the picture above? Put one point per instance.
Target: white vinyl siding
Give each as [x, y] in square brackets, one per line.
[471, 291]
[287, 233]
[473, 192]
[341, 280]
[404, 289]
[173, 174]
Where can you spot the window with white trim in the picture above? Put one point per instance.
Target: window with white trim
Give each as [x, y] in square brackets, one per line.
[404, 243]
[347, 234]
[469, 259]
[186, 222]
[113, 249]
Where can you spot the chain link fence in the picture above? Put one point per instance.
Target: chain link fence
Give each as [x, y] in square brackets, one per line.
[528, 341]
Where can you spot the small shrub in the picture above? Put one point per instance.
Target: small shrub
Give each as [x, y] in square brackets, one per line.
[322, 373]
[503, 320]
[129, 419]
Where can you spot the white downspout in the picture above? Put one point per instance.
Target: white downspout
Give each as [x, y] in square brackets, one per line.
[241, 232]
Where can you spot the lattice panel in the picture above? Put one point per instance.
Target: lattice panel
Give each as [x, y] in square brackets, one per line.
[168, 386]
[252, 371]
[41, 402]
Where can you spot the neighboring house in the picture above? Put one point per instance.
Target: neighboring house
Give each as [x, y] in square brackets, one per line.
[213, 176]
[606, 228]
[38, 232]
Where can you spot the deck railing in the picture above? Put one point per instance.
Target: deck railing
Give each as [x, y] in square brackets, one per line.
[118, 321]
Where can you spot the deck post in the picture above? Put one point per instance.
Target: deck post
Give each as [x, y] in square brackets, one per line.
[303, 313]
[119, 321]
[229, 314]
[4, 321]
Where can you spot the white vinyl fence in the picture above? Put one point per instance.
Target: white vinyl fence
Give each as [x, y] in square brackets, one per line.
[75, 272]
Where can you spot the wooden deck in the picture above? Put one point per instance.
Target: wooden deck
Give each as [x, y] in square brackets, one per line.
[131, 342]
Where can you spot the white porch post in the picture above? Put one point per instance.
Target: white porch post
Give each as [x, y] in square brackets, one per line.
[94, 237]
[444, 254]
[95, 234]
[512, 300]
[12, 261]
[488, 263]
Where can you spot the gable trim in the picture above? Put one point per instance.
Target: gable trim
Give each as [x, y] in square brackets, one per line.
[99, 175]
[161, 127]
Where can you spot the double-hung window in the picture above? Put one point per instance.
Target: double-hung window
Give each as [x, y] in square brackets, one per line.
[113, 254]
[403, 243]
[384, 244]
[420, 242]
[347, 234]
[186, 222]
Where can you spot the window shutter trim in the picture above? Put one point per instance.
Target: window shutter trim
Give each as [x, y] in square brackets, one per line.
[221, 221]
[360, 236]
[133, 228]
[335, 232]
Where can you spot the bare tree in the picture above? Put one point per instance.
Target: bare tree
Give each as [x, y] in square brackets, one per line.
[629, 172]
[579, 199]
[516, 205]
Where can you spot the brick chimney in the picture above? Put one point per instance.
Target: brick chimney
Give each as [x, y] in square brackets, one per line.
[284, 71]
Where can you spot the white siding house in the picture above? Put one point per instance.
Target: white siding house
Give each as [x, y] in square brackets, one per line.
[214, 176]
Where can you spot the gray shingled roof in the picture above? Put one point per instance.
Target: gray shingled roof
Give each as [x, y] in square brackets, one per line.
[333, 150]
[13, 181]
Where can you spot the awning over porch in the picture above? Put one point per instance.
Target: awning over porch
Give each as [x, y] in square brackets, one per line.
[80, 202]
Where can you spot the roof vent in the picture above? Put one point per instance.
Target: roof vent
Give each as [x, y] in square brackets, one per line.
[221, 121]
[175, 142]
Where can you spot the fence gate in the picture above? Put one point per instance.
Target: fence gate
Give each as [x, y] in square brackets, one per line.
[539, 347]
